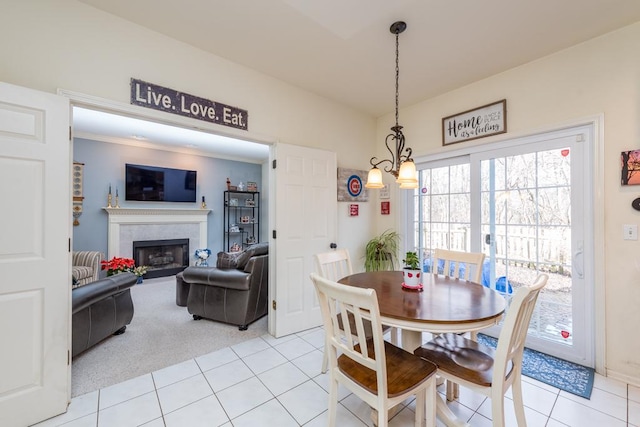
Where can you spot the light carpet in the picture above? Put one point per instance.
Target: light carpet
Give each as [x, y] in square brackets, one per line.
[161, 334]
[568, 376]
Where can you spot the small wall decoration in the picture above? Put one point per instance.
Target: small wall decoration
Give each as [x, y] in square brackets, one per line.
[490, 119]
[78, 198]
[385, 208]
[351, 185]
[630, 167]
[353, 210]
[385, 192]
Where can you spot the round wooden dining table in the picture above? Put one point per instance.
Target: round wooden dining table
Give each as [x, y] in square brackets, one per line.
[443, 305]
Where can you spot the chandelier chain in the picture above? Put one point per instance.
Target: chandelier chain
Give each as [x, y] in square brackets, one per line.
[397, 73]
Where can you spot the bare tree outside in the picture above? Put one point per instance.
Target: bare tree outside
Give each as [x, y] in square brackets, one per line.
[531, 225]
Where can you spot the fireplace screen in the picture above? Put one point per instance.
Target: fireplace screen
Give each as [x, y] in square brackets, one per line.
[162, 257]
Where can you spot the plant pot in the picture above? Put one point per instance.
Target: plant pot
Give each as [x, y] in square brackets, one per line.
[412, 278]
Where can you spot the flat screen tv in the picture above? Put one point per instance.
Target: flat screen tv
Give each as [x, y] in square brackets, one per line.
[157, 184]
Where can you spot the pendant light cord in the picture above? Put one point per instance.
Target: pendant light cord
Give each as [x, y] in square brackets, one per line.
[397, 74]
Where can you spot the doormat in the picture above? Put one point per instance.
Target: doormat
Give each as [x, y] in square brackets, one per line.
[568, 376]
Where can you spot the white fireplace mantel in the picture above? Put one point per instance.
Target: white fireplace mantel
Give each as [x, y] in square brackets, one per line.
[129, 224]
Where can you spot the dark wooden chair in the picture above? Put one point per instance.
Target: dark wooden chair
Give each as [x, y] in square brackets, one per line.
[483, 369]
[379, 373]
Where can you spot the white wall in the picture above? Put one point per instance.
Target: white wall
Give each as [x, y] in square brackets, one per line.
[600, 76]
[63, 44]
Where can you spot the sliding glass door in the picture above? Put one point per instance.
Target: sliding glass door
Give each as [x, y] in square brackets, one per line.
[525, 205]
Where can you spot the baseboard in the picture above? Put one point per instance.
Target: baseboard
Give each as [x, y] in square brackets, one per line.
[634, 381]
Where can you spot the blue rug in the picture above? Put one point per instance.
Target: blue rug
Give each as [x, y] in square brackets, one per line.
[567, 376]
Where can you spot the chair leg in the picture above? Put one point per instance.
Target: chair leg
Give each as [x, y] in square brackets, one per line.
[333, 401]
[497, 410]
[383, 418]
[431, 394]
[420, 407]
[518, 403]
[325, 362]
[450, 392]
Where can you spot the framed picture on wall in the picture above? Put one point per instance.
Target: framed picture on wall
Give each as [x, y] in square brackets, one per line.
[351, 185]
[630, 167]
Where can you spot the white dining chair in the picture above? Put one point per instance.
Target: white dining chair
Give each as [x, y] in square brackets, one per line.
[463, 266]
[335, 265]
[376, 371]
[459, 265]
[483, 369]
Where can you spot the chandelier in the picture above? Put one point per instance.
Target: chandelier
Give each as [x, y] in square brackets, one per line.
[400, 165]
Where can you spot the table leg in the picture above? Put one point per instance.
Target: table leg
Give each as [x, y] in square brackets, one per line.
[412, 340]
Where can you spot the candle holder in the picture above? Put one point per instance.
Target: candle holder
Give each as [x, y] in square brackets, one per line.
[109, 201]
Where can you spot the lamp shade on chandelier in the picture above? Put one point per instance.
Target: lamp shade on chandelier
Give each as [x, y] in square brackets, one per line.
[400, 165]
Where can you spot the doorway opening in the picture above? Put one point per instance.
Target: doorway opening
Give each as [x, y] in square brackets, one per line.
[136, 129]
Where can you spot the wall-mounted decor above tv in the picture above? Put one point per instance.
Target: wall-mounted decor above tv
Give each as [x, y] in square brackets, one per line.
[157, 184]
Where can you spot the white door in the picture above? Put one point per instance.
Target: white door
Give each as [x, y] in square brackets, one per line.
[35, 276]
[305, 224]
[535, 217]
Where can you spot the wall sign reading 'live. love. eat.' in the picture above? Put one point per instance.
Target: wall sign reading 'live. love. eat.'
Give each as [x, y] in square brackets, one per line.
[490, 119]
[168, 100]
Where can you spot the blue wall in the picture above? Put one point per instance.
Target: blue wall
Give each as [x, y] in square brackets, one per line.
[104, 165]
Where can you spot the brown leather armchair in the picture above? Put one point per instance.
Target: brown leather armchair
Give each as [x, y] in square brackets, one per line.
[231, 293]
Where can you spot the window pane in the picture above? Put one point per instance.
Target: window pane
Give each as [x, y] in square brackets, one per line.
[521, 171]
[554, 168]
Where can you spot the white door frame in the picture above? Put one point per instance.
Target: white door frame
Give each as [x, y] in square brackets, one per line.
[596, 123]
[82, 100]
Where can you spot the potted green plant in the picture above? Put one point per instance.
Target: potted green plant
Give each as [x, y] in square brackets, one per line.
[381, 251]
[411, 272]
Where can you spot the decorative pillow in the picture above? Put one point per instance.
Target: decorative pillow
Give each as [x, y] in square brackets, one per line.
[251, 251]
[228, 259]
[259, 248]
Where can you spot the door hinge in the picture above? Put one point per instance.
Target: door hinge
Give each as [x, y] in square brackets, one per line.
[273, 164]
[273, 234]
[69, 133]
[69, 244]
[273, 304]
[68, 358]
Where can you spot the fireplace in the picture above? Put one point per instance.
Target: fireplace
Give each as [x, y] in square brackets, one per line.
[163, 257]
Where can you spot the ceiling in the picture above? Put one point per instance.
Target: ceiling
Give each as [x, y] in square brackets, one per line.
[343, 49]
[107, 127]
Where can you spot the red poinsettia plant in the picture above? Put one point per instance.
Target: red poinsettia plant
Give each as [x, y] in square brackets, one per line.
[117, 265]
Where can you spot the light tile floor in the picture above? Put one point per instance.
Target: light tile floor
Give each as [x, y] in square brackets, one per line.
[277, 382]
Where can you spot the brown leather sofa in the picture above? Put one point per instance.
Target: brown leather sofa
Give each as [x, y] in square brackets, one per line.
[236, 291]
[101, 309]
